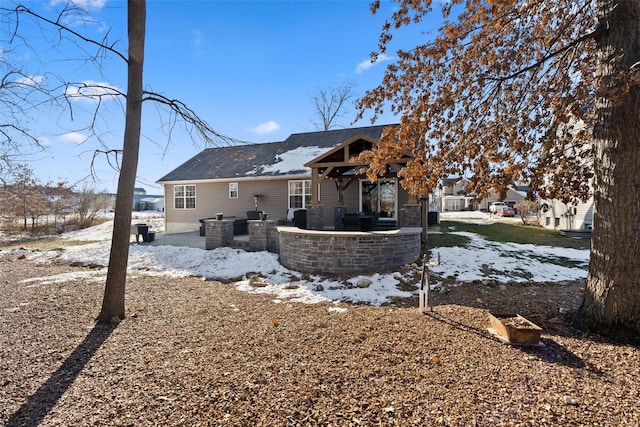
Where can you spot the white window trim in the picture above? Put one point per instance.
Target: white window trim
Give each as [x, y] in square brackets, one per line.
[395, 180]
[184, 196]
[237, 190]
[304, 203]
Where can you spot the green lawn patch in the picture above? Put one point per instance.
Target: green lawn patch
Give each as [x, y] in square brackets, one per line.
[503, 232]
[446, 240]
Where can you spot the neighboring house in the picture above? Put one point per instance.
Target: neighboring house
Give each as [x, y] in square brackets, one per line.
[560, 216]
[455, 198]
[146, 202]
[278, 177]
[151, 203]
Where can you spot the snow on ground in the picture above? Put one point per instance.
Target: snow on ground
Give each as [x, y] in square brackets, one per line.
[103, 231]
[479, 260]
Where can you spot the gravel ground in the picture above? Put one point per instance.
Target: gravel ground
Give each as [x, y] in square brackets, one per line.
[196, 353]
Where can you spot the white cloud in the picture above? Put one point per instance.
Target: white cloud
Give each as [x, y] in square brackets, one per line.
[73, 138]
[92, 91]
[30, 80]
[268, 127]
[367, 63]
[85, 4]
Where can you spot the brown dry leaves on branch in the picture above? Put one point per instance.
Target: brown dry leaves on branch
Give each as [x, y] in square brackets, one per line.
[497, 93]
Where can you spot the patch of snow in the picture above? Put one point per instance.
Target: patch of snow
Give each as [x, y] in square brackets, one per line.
[479, 260]
[291, 160]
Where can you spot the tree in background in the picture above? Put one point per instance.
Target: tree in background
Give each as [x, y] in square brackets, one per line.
[330, 104]
[497, 94]
[89, 204]
[24, 198]
[525, 209]
[60, 205]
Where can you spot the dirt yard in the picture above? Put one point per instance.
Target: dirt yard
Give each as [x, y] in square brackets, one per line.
[197, 353]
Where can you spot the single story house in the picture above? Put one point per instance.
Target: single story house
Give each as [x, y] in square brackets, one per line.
[143, 201]
[151, 203]
[278, 178]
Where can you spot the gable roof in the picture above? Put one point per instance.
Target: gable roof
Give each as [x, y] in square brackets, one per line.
[271, 159]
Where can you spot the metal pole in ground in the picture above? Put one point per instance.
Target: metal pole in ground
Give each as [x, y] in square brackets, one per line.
[425, 288]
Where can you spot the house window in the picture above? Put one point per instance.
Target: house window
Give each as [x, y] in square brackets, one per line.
[454, 205]
[548, 221]
[557, 223]
[233, 190]
[299, 194]
[184, 197]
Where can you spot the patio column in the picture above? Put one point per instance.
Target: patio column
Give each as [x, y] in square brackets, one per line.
[410, 216]
[218, 233]
[314, 217]
[314, 186]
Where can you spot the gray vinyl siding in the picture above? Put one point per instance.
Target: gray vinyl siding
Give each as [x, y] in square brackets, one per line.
[556, 216]
[213, 197]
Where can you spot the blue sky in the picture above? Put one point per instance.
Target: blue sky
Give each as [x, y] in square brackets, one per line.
[247, 67]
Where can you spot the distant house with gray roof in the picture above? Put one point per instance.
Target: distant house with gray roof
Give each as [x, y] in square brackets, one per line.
[146, 202]
[456, 198]
[279, 177]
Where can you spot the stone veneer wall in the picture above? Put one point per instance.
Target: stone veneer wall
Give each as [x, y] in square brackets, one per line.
[314, 217]
[273, 237]
[257, 235]
[410, 216]
[263, 236]
[348, 252]
[218, 233]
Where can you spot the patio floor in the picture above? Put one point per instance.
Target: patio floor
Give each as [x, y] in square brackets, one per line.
[190, 239]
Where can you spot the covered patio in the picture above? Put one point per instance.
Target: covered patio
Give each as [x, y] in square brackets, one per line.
[377, 204]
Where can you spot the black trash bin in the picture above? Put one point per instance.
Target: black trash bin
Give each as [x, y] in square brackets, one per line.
[151, 235]
[143, 229]
[433, 218]
[366, 223]
[300, 218]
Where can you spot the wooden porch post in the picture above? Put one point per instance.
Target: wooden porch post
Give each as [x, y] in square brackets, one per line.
[314, 186]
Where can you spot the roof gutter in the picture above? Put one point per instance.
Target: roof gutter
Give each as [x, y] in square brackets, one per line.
[238, 179]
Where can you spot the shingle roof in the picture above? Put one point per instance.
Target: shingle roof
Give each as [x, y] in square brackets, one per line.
[268, 159]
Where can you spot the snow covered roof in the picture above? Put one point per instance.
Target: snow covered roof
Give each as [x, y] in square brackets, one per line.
[272, 159]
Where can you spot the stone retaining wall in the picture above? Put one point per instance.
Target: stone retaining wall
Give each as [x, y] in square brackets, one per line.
[343, 252]
[263, 235]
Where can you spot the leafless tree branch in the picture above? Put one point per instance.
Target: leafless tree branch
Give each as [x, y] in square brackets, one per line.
[329, 104]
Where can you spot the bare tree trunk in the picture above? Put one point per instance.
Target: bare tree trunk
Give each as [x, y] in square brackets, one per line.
[114, 291]
[611, 303]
